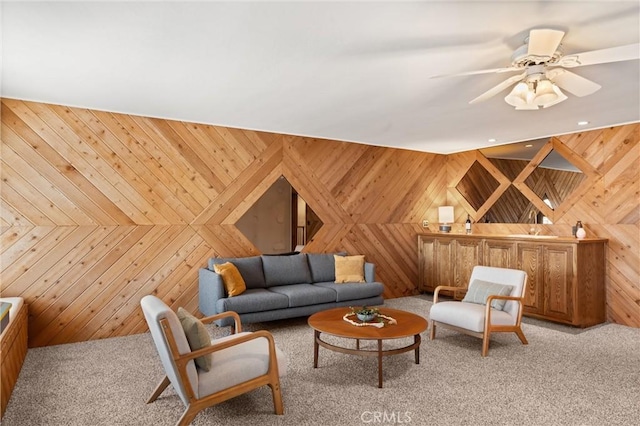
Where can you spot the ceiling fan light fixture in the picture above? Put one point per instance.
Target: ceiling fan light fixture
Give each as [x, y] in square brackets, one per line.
[535, 94]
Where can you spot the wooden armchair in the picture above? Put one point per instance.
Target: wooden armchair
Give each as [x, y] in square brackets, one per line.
[484, 315]
[241, 362]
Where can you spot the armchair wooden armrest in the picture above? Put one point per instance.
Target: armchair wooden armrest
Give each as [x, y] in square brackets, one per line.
[238, 326]
[227, 344]
[447, 288]
[497, 296]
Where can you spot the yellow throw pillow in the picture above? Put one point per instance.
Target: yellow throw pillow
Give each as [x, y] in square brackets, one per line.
[349, 269]
[197, 336]
[233, 282]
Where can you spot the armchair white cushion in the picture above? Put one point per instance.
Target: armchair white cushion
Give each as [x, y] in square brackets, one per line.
[481, 320]
[240, 362]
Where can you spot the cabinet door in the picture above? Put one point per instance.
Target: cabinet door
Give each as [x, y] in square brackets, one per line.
[468, 253]
[427, 263]
[445, 258]
[499, 254]
[529, 257]
[558, 281]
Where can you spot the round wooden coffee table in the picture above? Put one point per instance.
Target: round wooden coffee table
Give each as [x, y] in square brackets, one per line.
[332, 322]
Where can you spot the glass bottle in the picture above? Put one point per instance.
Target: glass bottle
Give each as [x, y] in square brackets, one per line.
[467, 224]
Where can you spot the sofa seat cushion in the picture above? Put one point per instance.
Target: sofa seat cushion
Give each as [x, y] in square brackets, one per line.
[250, 269]
[305, 294]
[469, 316]
[284, 270]
[353, 291]
[237, 364]
[253, 300]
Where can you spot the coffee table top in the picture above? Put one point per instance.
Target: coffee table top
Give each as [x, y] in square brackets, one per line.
[331, 322]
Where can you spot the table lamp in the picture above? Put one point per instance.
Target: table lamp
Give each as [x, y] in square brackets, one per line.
[445, 217]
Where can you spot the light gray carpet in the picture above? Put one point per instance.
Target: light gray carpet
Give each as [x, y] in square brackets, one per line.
[591, 378]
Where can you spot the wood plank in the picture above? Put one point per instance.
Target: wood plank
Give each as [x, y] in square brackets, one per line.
[58, 172]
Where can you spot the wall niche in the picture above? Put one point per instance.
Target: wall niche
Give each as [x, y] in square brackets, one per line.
[541, 179]
[280, 221]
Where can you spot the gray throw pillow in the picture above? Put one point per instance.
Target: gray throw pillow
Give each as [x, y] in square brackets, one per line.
[480, 290]
[197, 336]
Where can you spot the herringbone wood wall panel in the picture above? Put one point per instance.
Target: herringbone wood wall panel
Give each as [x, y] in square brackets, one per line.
[99, 209]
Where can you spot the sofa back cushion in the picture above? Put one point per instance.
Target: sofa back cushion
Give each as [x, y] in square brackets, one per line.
[322, 266]
[249, 267]
[283, 270]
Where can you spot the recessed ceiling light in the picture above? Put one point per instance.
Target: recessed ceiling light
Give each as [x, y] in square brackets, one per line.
[491, 140]
[528, 145]
[582, 123]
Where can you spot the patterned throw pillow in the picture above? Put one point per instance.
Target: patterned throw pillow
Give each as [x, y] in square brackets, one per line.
[233, 282]
[197, 336]
[480, 290]
[349, 269]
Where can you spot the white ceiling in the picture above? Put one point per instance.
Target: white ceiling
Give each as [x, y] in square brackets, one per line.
[353, 71]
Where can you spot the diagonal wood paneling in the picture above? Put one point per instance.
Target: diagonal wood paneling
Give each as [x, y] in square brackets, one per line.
[607, 203]
[99, 209]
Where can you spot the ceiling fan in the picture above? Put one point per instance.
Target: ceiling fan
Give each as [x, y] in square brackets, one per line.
[541, 65]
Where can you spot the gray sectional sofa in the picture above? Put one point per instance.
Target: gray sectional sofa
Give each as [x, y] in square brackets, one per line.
[281, 287]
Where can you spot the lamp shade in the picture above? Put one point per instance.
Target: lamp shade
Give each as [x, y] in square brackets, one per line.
[445, 214]
[518, 96]
[545, 93]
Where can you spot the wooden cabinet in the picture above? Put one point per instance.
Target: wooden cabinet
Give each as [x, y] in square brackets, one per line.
[446, 260]
[565, 275]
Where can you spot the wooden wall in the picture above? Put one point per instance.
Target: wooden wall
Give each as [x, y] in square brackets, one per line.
[100, 209]
[607, 203]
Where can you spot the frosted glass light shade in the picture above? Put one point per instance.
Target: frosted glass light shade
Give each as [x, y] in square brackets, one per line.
[518, 96]
[545, 93]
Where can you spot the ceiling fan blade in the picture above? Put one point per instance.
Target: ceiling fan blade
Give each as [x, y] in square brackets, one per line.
[544, 42]
[572, 83]
[499, 88]
[602, 56]
[487, 71]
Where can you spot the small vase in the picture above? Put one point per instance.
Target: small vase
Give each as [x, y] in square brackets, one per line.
[367, 317]
[581, 233]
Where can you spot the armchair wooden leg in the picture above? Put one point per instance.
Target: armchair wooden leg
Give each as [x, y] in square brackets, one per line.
[520, 335]
[159, 389]
[188, 416]
[277, 398]
[432, 333]
[485, 342]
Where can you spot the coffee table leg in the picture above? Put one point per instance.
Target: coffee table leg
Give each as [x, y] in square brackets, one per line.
[316, 336]
[379, 363]
[416, 340]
